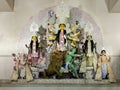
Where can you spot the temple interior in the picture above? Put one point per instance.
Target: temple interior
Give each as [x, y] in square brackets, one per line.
[59, 44]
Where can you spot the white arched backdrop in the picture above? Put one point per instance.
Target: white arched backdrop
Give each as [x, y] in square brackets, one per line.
[85, 20]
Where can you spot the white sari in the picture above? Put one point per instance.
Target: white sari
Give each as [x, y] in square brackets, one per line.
[15, 75]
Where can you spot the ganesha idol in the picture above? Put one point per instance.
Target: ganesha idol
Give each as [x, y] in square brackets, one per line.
[21, 68]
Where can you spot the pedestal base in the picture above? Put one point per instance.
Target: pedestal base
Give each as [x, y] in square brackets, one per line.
[54, 82]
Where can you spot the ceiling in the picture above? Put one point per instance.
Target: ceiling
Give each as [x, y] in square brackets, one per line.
[112, 5]
[6, 5]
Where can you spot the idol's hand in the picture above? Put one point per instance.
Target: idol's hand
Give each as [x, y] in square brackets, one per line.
[26, 45]
[109, 59]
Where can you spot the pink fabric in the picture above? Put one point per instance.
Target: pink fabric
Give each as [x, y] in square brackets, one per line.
[33, 57]
[61, 38]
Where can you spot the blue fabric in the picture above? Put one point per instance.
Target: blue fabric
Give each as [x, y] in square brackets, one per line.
[64, 65]
[104, 70]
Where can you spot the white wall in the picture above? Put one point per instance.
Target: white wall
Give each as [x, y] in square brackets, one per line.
[110, 23]
[6, 67]
[11, 23]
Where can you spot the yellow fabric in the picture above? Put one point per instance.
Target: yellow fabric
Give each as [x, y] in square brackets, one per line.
[29, 76]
